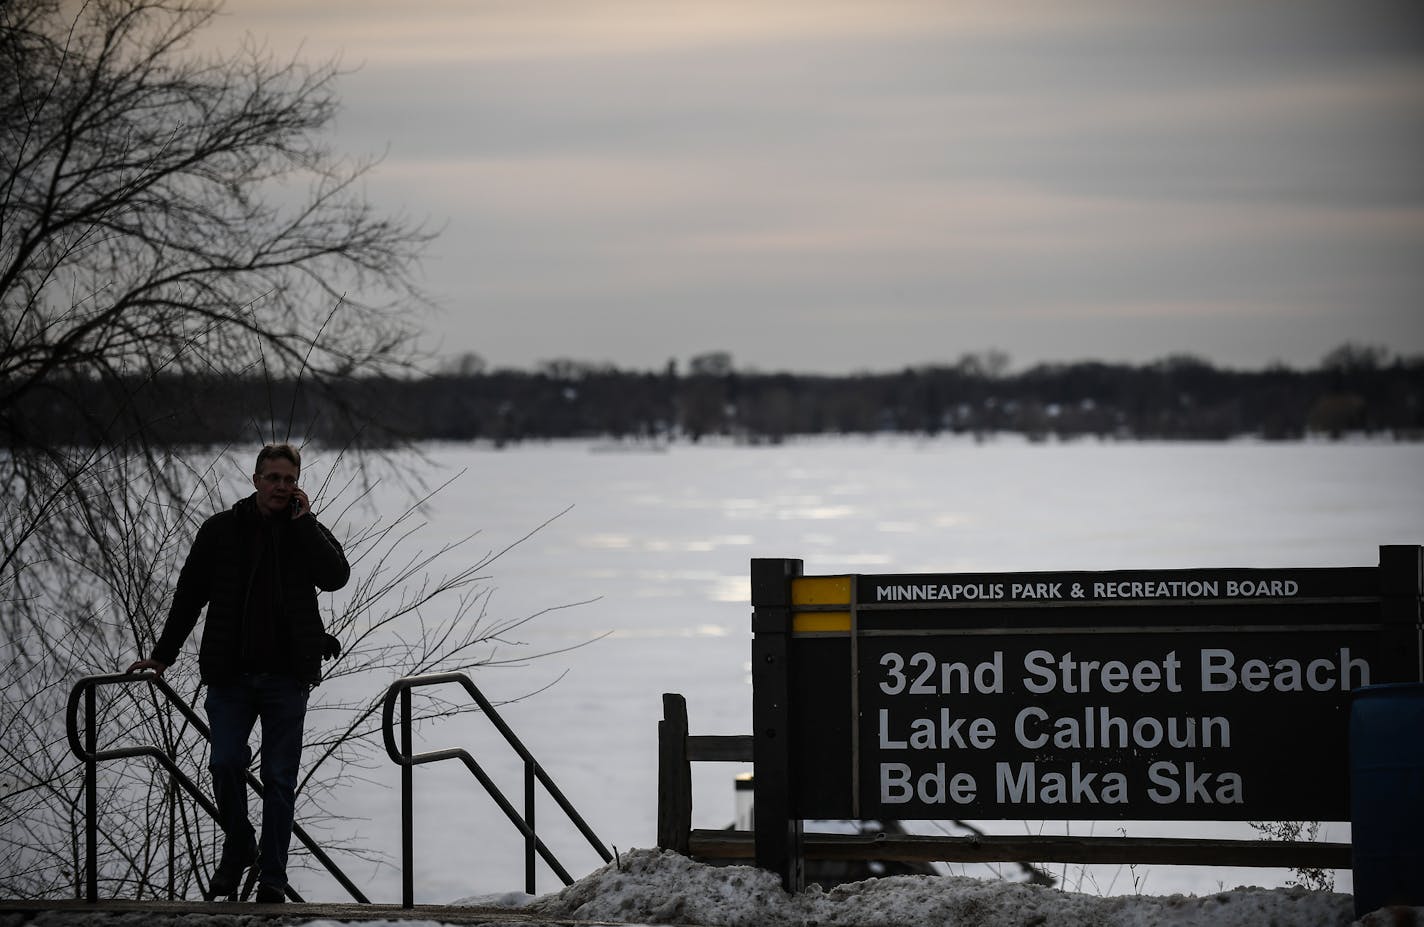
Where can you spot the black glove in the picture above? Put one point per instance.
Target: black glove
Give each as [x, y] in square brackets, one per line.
[330, 647]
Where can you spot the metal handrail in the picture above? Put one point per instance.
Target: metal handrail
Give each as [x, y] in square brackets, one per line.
[401, 689]
[89, 753]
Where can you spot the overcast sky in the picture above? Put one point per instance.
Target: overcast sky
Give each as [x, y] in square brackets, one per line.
[838, 185]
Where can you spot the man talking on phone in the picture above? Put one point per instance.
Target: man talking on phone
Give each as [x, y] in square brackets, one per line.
[257, 568]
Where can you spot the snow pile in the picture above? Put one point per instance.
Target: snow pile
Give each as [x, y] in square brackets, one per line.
[661, 887]
[657, 887]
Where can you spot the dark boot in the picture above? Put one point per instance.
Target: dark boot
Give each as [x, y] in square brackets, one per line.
[270, 894]
[228, 876]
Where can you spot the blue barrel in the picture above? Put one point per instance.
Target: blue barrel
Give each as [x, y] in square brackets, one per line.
[1387, 795]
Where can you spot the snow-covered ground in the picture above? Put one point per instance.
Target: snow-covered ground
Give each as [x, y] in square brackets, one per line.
[656, 887]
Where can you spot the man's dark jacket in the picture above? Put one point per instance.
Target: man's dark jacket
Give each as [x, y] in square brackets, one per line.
[220, 572]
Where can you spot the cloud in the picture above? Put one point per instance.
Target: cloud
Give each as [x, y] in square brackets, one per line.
[426, 33]
[1041, 175]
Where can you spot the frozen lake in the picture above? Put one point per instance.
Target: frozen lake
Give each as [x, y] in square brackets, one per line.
[662, 542]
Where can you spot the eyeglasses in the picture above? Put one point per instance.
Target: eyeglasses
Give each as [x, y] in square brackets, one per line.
[276, 478]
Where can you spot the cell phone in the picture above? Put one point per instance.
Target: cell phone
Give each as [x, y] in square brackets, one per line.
[294, 507]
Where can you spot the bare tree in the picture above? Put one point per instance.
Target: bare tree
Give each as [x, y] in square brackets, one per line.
[161, 213]
[165, 212]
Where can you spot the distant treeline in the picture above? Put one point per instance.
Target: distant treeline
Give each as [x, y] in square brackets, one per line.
[1355, 390]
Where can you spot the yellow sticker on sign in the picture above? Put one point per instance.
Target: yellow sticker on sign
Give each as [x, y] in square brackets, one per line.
[820, 590]
[808, 622]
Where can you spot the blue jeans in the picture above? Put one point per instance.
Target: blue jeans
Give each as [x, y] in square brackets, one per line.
[281, 702]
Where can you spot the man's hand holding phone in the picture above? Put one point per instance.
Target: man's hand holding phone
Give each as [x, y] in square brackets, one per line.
[299, 505]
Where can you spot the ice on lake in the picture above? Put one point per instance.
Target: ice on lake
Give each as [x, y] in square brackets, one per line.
[657, 546]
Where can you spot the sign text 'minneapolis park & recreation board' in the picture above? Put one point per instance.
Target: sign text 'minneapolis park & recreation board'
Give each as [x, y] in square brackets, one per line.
[1216, 694]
